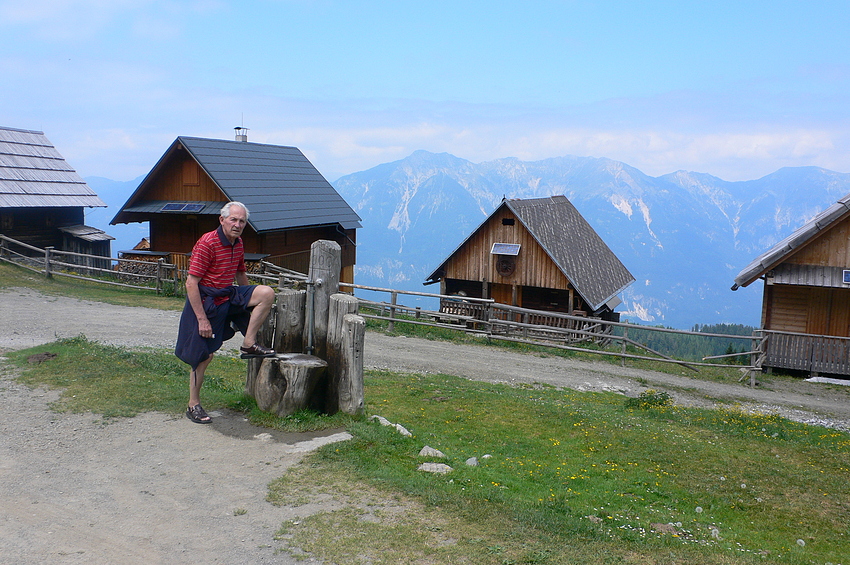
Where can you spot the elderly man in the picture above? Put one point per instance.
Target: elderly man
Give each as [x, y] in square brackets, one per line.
[214, 304]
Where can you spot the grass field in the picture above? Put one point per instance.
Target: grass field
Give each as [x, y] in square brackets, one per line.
[571, 477]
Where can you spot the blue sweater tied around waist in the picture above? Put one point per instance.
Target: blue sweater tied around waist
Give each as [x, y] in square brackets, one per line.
[193, 349]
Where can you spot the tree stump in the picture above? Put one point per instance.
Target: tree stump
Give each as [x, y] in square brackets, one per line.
[284, 384]
[325, 265]
[347, 381]
[346, 333]
[265, 336]
[289, 321]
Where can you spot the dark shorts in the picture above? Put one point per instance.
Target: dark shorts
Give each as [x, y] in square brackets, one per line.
[194, 349]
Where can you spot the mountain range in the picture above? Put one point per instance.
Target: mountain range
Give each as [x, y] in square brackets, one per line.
[684, 236]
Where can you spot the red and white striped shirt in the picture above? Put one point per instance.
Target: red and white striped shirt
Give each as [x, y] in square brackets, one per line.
[216, 261]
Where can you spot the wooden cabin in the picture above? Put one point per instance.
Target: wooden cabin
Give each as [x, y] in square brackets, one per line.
[539, 254]
[43, 199]
[291, 204]
[806, 299]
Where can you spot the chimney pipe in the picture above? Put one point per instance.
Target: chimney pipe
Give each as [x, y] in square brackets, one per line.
[241, 134]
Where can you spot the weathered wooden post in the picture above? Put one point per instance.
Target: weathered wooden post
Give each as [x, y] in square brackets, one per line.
[289, 321]
[625, 337]
[325, 265]
[47, 253]
[393, 303]
[159, 274]
[346, 331]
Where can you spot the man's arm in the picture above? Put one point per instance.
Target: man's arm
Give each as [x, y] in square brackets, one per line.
[194, 296]
[242, 278]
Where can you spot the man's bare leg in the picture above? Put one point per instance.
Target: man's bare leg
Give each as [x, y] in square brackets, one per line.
[261, 301]
[196, 379]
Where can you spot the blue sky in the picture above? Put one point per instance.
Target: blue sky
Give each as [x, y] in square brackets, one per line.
[735, 89]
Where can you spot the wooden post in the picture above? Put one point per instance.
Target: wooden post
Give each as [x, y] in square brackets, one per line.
[289, 322]
[159, 273]
[393, 302]
[346, 333]
[349, 382]
[47, 251]
[325, 265]
[625, 337]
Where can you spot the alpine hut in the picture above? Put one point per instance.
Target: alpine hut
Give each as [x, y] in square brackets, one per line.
[291, 204]
[43, 199]
[538, 254]
[806, 300]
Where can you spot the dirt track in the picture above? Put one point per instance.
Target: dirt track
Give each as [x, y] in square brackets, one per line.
[158, 489]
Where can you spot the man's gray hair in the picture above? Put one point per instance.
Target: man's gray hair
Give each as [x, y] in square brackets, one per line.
[225, 211]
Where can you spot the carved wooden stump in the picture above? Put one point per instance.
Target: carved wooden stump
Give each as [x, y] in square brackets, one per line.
[289, 321]
[284, 384]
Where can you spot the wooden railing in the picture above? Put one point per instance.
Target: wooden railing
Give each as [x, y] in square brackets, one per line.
[807, 352]
[159, 276]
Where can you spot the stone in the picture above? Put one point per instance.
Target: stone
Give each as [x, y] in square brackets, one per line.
[429, 451]
[440, 468]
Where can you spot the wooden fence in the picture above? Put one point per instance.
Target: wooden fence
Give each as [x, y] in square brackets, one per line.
[477, 316]
[160, 276]
[495, 321]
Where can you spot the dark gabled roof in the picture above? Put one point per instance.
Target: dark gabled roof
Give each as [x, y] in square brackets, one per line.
[791, 244]
[588, 263]
[278, 184]
[34, 174]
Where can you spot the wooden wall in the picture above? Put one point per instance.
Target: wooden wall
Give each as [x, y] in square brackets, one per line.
[533, 266]
[182, 179]
[831, 249]
[812, 310]
[39, 226]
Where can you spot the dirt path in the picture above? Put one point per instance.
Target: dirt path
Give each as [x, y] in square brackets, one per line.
[159, 489]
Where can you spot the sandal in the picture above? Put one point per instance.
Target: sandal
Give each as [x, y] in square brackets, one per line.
[256, 351]
[197, 414]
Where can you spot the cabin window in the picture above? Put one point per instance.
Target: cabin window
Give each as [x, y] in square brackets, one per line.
[6, 222]
[508, 221]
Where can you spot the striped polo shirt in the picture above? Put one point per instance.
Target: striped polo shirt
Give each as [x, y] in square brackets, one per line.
[216, 261]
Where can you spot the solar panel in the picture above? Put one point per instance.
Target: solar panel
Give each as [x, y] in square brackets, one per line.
[505, 249]
[181, 207]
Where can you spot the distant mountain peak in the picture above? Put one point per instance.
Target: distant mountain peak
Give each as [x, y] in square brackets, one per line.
[685, 235]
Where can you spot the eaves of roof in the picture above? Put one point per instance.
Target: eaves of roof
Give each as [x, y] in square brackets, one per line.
[791, 244]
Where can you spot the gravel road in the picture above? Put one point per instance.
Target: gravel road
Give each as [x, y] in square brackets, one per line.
[158, 489]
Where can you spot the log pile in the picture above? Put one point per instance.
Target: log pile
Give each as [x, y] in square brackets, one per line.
[128, 271]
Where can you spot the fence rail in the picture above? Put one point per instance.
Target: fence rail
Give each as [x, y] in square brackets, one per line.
[478, 316]
[557, 330]
[54, 262]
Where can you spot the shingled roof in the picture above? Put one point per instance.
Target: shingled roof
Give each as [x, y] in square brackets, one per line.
[593, 270]
[34, 174]
[791, 244]
[279, 185]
